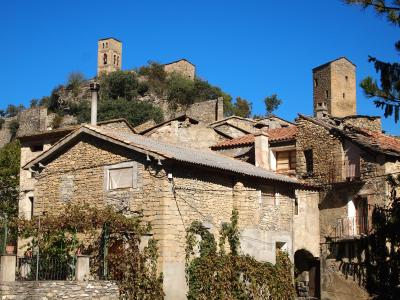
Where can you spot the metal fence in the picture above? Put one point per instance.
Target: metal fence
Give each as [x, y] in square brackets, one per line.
[46, 268]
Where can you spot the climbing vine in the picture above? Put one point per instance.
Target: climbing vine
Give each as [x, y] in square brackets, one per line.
[211, 273]
[80, 229]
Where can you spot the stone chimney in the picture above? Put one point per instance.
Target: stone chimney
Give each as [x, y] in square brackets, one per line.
[94, 89]
[261, 149]
[321, 111]
[220, 108]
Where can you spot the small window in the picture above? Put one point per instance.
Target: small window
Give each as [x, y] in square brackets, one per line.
[268, 196]
[105, 58]
[308, 155]
[315, 82]
[285, 160]
[344, 95]
[296, 206]
[281, 246]
[31, 201]
[36, 148]
[120, 176]
[346, 77]
[326, 94]
[106, 44]
[115, 59]
[103, 45]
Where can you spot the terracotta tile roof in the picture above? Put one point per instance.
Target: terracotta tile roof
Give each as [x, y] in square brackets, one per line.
[275, 135]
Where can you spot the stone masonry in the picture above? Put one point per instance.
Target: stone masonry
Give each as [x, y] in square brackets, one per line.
[46, 290]
[171, 204]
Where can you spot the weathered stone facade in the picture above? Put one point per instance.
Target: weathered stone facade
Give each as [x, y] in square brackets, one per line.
[46, 290]
[182, 67]
[335, 87]
[365, 122]
[109, 55]
[170, 202]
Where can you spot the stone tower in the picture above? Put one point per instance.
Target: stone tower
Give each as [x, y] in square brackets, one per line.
[109, 55]
[335, 88]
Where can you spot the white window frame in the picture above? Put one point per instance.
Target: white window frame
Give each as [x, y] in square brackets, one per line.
[124, 165]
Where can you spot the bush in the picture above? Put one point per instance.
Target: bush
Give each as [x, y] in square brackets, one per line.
[13, 126]
[153, 71]
[57, 120]
[135, 112]
[75, 79]
[119, 84]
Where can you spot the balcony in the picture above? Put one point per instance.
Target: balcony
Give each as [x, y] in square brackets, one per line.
[351, 227]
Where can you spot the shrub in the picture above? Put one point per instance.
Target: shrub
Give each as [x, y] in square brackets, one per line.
[13, 126]
[56, 122]
[119, 84]
[75, 79]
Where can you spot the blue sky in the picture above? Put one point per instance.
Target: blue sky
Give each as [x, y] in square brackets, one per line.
[249, 48]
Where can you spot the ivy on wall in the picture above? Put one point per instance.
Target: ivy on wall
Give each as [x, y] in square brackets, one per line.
[80, 229]
[212, 273]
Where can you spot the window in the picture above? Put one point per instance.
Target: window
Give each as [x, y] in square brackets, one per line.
[103, 45]
[115, 59]
[121, 176]
[308, 155]
[268, 195]
[296, 206]
[326, 94]
[344, 95]
[315, 82]
[105, 58]
[36, 148]
[346, 77]
[286, 160]
[320, 104]
[31, 200]
[106, 44]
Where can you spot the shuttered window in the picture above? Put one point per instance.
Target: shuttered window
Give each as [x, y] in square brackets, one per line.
[286, 160]
[121, 176]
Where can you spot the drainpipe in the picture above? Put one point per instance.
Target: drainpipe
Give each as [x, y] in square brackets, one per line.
[94, 88]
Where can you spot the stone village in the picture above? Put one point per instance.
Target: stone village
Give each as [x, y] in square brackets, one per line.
[306, 187]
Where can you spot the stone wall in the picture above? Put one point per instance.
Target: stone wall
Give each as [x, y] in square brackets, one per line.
[182, 67]
[39, 290]
[366, 122]
[170, 205]
[30, 121]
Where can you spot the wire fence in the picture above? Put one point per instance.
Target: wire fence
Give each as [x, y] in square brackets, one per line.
[46, 268]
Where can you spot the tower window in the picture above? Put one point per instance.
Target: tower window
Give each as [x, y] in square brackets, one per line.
[326, 94]
[315, 82]
[308, 155]
[103, 45]
[115, 58]
[344, 95]
[320, 104]
[106, 44]
[105, 58]
[346, 77]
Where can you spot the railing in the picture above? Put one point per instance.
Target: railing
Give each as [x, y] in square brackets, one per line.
[352, 226]
[32, 268]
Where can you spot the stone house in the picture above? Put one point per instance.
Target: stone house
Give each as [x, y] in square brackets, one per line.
[171, 185]
[351, 165]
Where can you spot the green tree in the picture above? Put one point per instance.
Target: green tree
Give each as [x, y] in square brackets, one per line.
[272, 103]
[386, 94]
[75, 79]
[119, 84]
[9, 178]
[242, 108]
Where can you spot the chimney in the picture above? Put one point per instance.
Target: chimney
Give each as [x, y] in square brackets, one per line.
[94, 88]
[321, 111]
[261, 149]
[220, 108]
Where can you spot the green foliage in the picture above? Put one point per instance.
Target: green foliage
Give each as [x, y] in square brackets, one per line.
[136, 112]
[75, 79]
[13, 110]
[119, 84]
[79, 228]
[386, 95]
[13, 126]
[383, 259]
[9, 178]
[241, 108]
[214, 274]
[56, 122]
[153, 72]
[34, 103]
[272, 103]
[180, 90]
